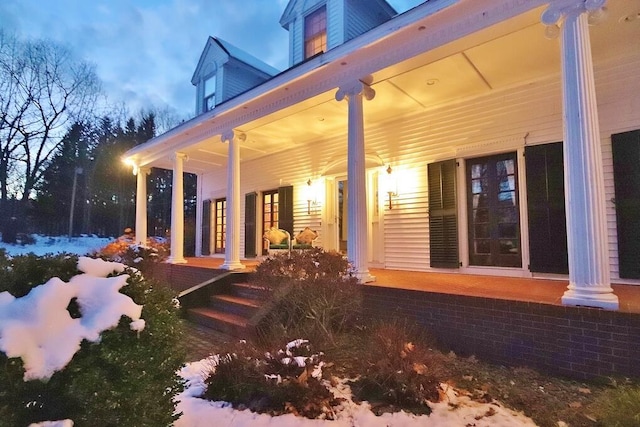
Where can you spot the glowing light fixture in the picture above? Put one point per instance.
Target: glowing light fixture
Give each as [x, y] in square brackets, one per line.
[310, 195]
[390, 185]
[129, 162]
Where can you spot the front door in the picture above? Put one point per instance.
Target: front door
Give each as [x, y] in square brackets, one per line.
[493, 211]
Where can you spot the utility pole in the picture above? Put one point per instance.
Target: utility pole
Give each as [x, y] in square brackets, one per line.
[76, 172]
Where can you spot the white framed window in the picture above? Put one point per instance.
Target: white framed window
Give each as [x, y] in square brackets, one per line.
[209, 100]
[315, 32]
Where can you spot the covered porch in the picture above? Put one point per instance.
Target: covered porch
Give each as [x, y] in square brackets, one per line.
[446, 84]
[539, 291]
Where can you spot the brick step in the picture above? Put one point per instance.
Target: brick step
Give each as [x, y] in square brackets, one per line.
[248, 291]
[230, 324]
[244, 307]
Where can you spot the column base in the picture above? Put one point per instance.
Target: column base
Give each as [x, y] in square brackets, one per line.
[176, 260]
[364, 276]
[597, 296]
[232, 265]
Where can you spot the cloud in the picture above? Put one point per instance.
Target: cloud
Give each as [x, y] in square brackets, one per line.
[146, 51]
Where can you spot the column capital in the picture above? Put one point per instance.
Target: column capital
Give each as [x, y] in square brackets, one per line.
[230, 134]
[144, 170]
[560, 9]
[356, 87]
[180, 155]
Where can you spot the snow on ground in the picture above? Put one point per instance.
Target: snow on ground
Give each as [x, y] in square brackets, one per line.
[454, 411]
[52, 245]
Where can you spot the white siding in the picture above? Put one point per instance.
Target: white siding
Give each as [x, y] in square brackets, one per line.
[212, 63]
[531, 113]
[361, 17]
[335, 23]
[238, 78]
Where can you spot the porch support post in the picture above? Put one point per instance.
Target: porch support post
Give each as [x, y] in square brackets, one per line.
[199, 215]
[357, 236]
[177, 211]
[589, 275]
[232, 237]
[141, 205]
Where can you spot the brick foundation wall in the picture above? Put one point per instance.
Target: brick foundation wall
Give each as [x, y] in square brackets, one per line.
[583, 343]
[181, 277]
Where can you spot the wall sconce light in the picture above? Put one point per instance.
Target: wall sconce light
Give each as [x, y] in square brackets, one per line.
[310, 196]
[390, 185]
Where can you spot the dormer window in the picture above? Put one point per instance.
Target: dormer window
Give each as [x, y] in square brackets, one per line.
[210, 93]
[315, 32]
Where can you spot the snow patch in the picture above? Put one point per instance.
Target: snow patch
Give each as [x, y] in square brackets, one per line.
[39, 328]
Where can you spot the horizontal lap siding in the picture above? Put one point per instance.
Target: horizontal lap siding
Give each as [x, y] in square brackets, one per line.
[410, 142]
[618, 112]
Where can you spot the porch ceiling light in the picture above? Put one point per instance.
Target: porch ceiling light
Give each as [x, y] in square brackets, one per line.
[390, 185]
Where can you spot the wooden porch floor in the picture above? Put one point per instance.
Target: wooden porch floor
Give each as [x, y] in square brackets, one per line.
[544, 291]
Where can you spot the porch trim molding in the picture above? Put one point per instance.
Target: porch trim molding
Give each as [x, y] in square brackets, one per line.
[589, 275]
[419, 30]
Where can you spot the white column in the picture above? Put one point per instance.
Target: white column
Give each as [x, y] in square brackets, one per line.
[589, 276]
[177, 211]
[357, 238]
[232, 239]
[199, 215]
[141, 205]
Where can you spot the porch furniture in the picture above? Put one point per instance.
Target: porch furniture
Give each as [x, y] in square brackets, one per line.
[304, 239]
[277, 240]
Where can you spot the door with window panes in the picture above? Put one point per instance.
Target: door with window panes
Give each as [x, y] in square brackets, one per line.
[493, 211]
[220, 225]
[269, 213]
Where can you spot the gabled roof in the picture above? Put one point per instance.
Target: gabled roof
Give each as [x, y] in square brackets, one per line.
[293, 5]
[233, 52]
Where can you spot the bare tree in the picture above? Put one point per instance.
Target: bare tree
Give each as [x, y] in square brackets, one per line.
[43, 90]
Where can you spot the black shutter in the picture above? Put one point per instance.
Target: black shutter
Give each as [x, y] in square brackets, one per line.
[206, 227]
[250, 225]
[443, 215]
[626, 176]
[546, 209]
[285, 208]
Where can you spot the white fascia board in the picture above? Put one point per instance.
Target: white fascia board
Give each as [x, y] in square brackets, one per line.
[394, 41]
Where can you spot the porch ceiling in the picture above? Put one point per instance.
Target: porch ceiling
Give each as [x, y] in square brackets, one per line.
[508, 54]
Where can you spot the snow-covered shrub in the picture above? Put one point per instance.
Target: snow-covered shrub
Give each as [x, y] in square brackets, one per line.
[18, 275]
[141, 257]
[126, 378]
[314, 295]
[398, 370]
[284, 381]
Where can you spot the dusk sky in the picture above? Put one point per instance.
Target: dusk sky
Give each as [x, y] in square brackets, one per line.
[146, 51]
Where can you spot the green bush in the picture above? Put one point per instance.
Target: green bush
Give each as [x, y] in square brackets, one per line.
[19, 274]
[270, 382]
[398, 370]
[314, 295]
[619, 407]
[126, 379]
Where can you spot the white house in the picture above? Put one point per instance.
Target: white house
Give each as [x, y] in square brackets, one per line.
[489, 137]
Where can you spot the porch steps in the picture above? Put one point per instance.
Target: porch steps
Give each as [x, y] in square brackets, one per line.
[231, 310]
